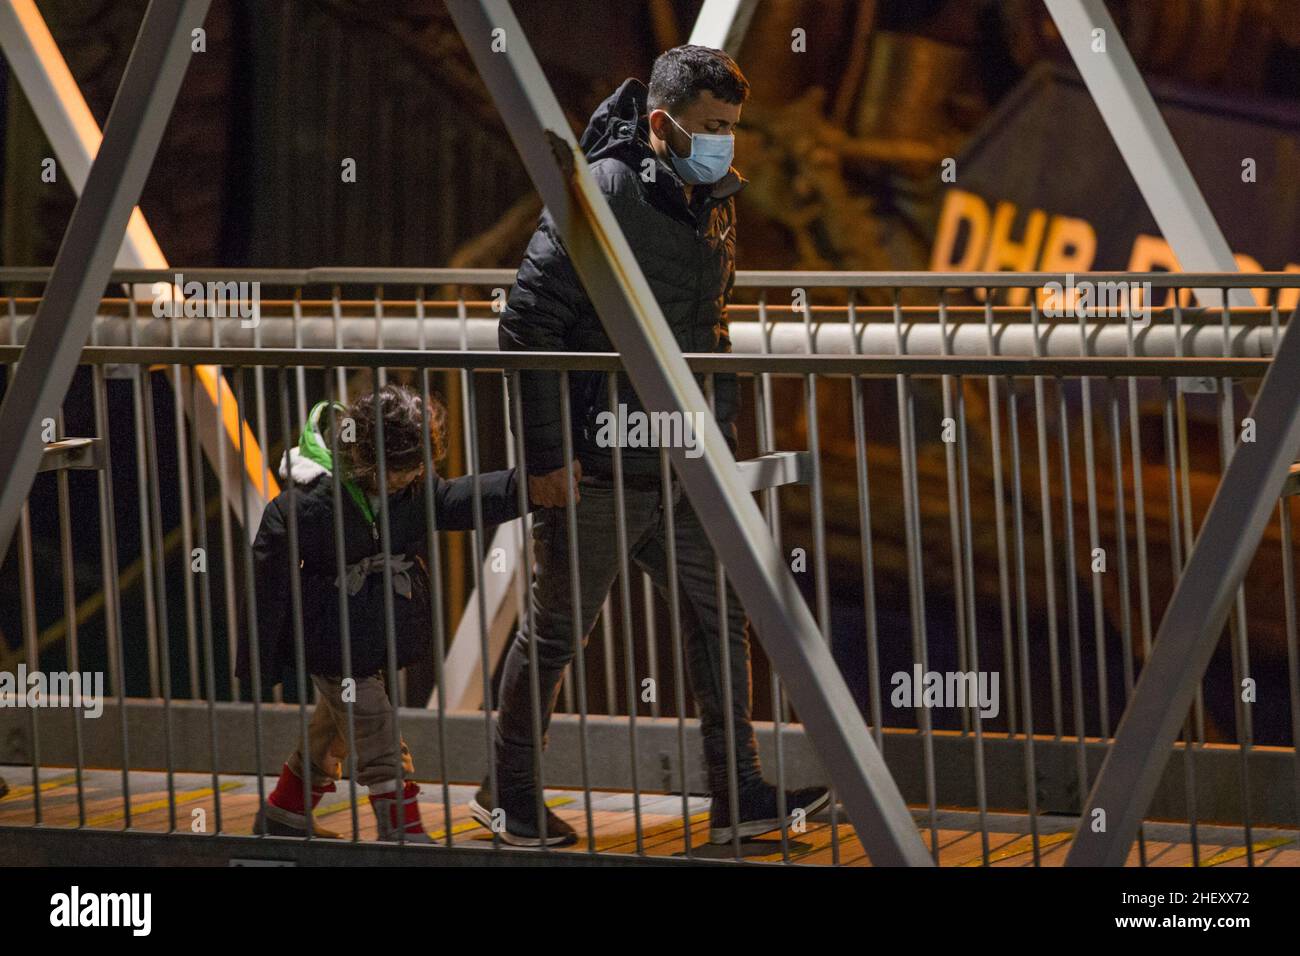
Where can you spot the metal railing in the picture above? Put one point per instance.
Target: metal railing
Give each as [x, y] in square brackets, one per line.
[886, 518]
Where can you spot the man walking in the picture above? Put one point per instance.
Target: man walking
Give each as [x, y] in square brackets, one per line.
[662, 157]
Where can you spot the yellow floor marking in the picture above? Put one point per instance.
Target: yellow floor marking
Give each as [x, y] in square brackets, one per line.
[1237, 852]
[189, 796]
[1019, 847]
[17, 793]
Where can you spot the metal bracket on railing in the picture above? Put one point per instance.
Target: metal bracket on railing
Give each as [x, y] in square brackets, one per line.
[776, 469]
[73, 453]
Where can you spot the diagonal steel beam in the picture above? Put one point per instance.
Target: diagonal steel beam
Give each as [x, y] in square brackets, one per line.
[85, 259]
[55, 98]
[1194, 619]
[633, 320]
[721, 24]
[1144, 140]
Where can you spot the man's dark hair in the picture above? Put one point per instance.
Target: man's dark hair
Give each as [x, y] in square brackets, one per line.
[404, 421]
[682, 73]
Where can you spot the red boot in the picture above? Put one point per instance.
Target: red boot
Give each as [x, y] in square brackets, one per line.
[384, 804]
[284, 815]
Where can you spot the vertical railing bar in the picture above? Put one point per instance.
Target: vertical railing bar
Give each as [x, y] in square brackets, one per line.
[864, 524]
[675, 631]
[959, 583]
[199, 498]
[227, 535]
[625, 612]
[28, 603]
[728, 686]
[142, 484]
[821, 582]
[259, 401]
[295, 605]
[27, 575]
[972, 626]
[916, 581]
[1289, 595]
[769, 510]
[112, 599]
[520, 539]
[575, 598]
[651, 640]
[70, 616]
[1176, 559]
[390, 624]
[772, 496]
[470, 406]
[527, 620]
[1045, 516]
[340, 568]
[1000, 519]
[1238, 634]
[1292, 648]
[1094, 536]
[111, 631]
[300, 373]
[187, 531]
[1185, 472]
[433, 548]
[336, 312]
[1072, 593]
[1022, 618]
[250, 593]
[607, 646]
[1140, 526]
[160, 594]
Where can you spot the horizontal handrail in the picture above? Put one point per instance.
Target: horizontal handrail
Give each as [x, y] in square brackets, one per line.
[747, 278]
[792, 364]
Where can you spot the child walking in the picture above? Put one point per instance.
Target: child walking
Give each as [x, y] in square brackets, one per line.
[310, 468]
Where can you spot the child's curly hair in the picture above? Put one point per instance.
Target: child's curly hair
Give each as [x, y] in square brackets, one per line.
[404, 418]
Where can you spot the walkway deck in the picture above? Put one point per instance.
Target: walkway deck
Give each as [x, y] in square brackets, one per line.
[614, 819]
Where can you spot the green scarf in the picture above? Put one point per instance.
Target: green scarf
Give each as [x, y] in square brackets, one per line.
[312, 447]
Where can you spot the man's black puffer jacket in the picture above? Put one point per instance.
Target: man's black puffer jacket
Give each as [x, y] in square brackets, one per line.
[688, 256]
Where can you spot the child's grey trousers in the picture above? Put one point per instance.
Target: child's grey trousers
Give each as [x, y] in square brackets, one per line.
[376, 756]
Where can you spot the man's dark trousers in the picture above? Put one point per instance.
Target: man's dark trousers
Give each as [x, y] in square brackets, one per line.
[551, 621]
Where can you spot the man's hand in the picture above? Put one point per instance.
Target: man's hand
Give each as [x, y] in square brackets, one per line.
[549, 491]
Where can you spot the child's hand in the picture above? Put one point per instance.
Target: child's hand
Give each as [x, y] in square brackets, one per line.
[549, 491]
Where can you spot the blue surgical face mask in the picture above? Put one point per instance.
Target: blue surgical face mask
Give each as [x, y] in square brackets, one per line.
[710, 156]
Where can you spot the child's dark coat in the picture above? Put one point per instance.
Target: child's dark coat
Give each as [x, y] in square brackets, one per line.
[453, 511]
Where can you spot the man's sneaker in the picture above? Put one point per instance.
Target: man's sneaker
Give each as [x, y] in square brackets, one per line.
[520, 823]
[759, 812]
[275, 821]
